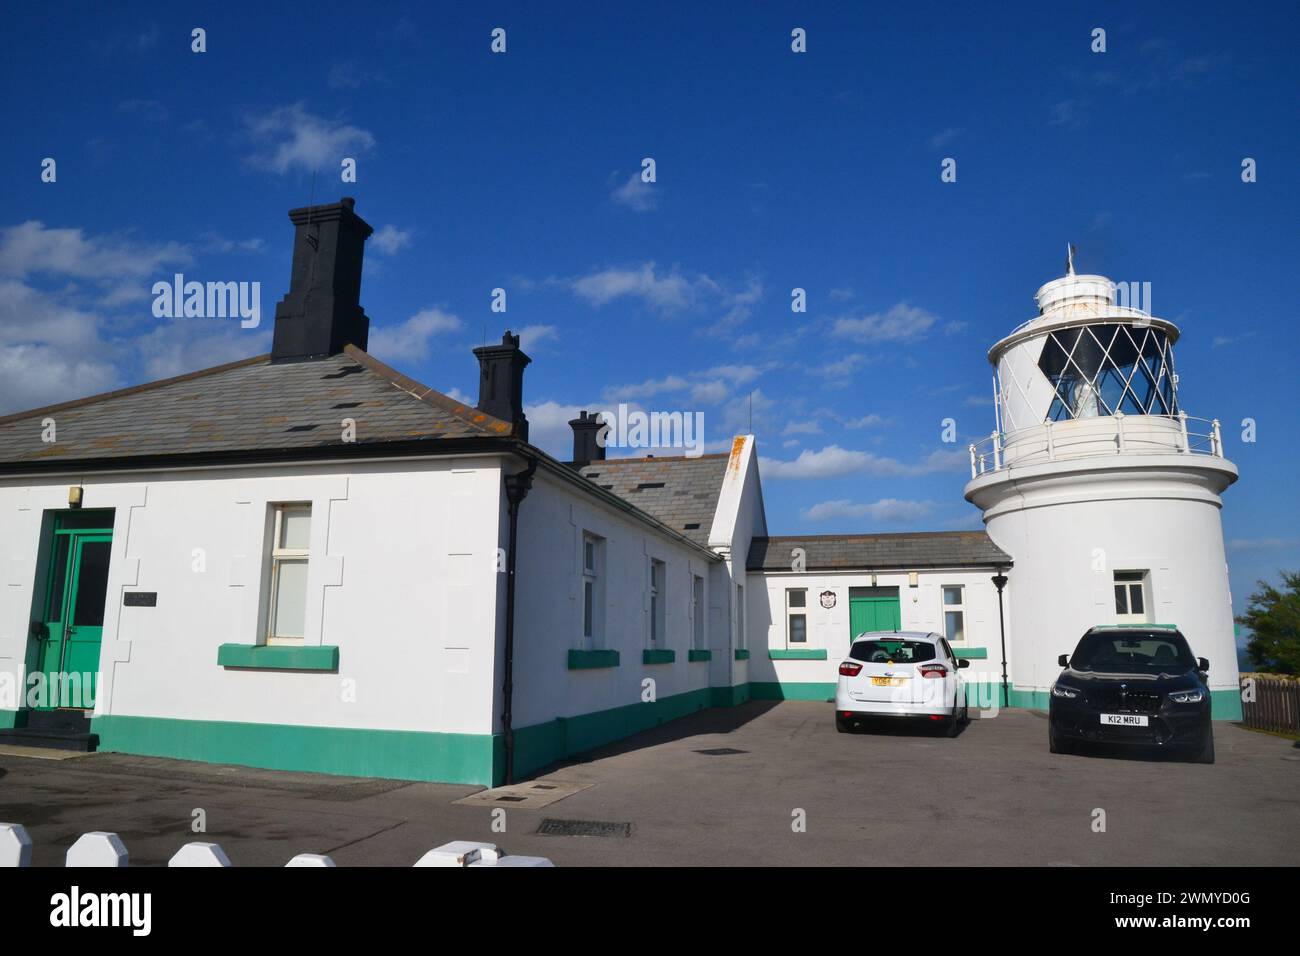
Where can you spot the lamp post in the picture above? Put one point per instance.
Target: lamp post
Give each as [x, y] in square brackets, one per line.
[999, 582]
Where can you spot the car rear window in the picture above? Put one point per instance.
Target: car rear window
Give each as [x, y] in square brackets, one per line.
[1133, 653]
[900, 652]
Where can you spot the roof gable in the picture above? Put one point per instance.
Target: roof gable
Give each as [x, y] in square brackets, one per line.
[679, 492]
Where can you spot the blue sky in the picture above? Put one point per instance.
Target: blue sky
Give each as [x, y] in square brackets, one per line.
[774, 170]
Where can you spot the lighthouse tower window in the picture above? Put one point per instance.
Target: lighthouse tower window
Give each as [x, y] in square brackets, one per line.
[1130, 597]
[1104, 369]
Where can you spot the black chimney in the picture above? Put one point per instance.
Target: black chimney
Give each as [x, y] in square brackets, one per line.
[501, 382]
[586, 433]
[322, 311]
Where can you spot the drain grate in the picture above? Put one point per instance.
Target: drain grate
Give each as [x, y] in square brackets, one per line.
[594, 828]
[509, 799]
[721, 752]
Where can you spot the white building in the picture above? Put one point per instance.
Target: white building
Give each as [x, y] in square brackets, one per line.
[308, 561]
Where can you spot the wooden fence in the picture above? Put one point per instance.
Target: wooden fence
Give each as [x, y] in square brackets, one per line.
[1271, 703]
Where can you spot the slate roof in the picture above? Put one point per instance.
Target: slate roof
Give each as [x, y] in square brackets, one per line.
[687, 493]
[251, 407]
[879, 552]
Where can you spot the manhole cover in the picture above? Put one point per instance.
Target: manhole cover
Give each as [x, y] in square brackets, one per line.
[721, 752]
[595, 828]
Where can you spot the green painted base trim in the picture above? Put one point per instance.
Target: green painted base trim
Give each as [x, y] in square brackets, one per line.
[658, 657]
[971, 653]
[280, 657]
[694, 656]
[543, 744]
[780, 690]
[729, 696]
[592, 660]
[797, 654]
[396, 754]
[742, 654]
[1225, 705]
[8, 719]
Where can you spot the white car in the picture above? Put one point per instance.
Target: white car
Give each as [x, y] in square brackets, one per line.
[901, 674]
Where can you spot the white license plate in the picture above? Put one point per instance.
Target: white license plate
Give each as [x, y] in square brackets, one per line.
[1124, 720]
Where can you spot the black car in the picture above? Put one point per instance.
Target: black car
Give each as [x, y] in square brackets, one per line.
[1133, 685]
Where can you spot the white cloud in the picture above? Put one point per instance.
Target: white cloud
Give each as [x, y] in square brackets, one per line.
[836, 462]
[889, 510]
[667, 292]
[32, 376]
[1262, 544]
[866, 421]
[548, 426]
[33, 249]
[902, 323]
[409, 340]
[531, 335]
[290, 137]
[390, 239]
[944, 137]
[637, 195]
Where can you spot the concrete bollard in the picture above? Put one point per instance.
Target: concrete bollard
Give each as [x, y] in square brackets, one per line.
[310, 859]
[199, 854]
[97, 849]
[459, 853]
[15, 845]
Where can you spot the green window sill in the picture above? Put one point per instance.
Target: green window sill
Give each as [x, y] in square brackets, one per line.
[694, 656]
[658, 657]
[971, 653]
[798, 654]
[742, 654]
[592, 660]
[279, 657]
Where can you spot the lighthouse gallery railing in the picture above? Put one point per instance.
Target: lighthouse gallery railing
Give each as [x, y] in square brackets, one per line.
[1097, 436]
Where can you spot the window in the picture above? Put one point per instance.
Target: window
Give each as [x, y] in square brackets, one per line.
[657, 597]
[1130, 596]
[796, 616]
[954, 612]
[592, 590]
[697, 612]
[740, 616]
[289, 553]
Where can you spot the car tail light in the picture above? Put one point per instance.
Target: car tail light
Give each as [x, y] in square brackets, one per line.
[850, 669]
[933, 670]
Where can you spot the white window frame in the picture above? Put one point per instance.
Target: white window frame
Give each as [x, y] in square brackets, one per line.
[1129, 586]
[959, 608]
[658, 586]
[590, 627]
[699, 636]
[790, 612]
[278, 556]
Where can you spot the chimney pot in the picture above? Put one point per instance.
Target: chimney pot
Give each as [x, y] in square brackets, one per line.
[501, 382]
[321, 312]
[587, 443]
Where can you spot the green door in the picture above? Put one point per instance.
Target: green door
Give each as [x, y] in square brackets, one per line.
[873, 609]
[72, 624]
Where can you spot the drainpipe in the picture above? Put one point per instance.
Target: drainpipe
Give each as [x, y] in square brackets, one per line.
[517, 486]
[999, 582]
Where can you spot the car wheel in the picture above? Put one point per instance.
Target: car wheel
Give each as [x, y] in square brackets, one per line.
[954, 722]
[1207, 751]
[841, 725]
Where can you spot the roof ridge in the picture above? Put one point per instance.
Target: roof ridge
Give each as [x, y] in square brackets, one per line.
[131, 389]
[429, 396]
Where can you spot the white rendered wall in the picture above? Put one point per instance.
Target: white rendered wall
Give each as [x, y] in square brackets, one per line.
[548, 606]
[739, 519]
[402, 579]
[921, 609]
[1070, 530]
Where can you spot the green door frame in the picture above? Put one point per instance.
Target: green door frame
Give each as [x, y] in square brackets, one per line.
[69, 627]
[874, 612]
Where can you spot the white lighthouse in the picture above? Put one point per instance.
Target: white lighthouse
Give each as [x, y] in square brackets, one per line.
[1101, 488]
